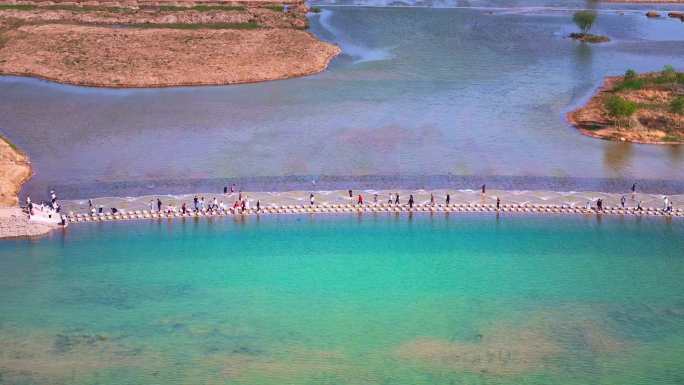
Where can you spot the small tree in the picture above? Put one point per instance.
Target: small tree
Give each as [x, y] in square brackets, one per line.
[668, 75]
[620, 109]
[630, 74]
[677, 105]
[584, 20]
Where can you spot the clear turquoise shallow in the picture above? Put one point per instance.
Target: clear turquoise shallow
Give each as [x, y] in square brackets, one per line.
[347, 300]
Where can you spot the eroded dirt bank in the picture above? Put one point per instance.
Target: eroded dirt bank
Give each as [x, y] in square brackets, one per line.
[15, 169]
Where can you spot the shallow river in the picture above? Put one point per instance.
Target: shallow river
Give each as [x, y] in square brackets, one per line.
[346, 300]
[420, 96]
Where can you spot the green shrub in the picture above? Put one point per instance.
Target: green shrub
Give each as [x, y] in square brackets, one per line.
[619, 108]
[275, 7]
[584, 20]
[630, 74]
[315, 9]
[667, 75]
[630, 84]
[677, 105]
[17, 7]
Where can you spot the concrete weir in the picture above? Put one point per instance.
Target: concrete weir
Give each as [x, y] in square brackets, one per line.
[382, 208]
[376, 202]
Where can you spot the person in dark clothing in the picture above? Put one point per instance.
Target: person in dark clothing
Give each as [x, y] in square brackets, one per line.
[114, 210]
[350, 194]
[258, 206]
[159, 204]
[396, 198]
[622, 201]
[599, 205]
[432, 199]
[225, 189]
[498, 203]
[448, 199]
[411, 201]
[183, 208]
[484, 188]
[195, 200]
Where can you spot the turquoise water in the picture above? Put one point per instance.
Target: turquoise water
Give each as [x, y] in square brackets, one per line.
[347, 300]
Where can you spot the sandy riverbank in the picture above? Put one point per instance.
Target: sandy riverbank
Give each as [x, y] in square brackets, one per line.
[152, 45]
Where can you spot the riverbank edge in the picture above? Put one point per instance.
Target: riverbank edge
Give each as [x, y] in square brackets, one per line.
[605, 87]
[14, 222]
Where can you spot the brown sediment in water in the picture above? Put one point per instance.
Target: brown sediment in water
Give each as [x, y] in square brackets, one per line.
[44, 357]
[161, 45]
[285, 365]
[541, 343]
[498, 352]
[651, 123]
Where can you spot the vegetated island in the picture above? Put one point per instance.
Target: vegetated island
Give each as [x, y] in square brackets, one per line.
[640, 108]
[159, 44]
[585, 20]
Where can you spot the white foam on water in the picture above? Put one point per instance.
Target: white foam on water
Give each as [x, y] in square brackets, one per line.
[359, 52]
